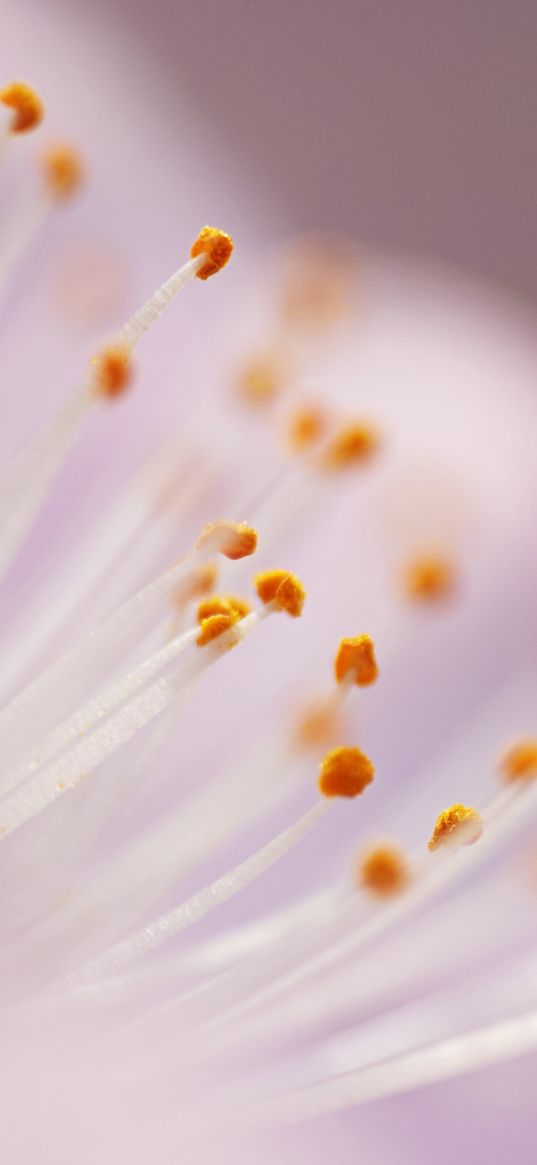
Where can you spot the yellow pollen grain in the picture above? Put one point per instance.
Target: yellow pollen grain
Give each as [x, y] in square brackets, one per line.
[113, 371]
[216, 245]
[282, 588]
[353, 445]
[383, 871]
[212, 627]
[232, 539]
[429, 579]
[345, 772]
[26, 104]
[63, 170]
[520, 761]
[458, 825]
[356, 657]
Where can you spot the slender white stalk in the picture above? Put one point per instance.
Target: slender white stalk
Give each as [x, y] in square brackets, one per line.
[440, 1061]
[193, 909]
[27, 483]
[71, 766]
[21, 231]
[44, 700]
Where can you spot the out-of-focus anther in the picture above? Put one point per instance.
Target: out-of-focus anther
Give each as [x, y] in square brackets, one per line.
[200, 581]
[305, 428]
[216, 245]
[383, 870]
[429, 578]
[28, 111]
[456, 826]
[63, 170]
[232, 539]
[519, 763]
[345, 772]
[355, 444]
[261, 379]
[112, 371]
[283, 589]
[356, 658]
[319, 724]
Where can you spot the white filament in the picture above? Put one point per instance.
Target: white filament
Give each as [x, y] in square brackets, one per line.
[193, 909]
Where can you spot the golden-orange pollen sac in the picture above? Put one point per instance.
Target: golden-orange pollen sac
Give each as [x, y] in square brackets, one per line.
[28, 111]
[383, 870]
[356, 657]
[345, 772]
[456, 826]
[428, 579]
[231, 605]
[200, 581]
[353, 445]
[112, 371]
[306, 427]
[63, 170]
[520, 762]
[283, 589]
[213, 627]
[216, 245]
[261, 379]
[232, 539]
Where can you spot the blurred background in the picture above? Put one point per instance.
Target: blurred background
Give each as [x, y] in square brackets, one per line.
[409, 125]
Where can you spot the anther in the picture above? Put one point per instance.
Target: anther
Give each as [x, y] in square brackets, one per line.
[345, 772]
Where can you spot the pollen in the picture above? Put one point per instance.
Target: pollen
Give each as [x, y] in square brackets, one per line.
[356, 657]
[26, 104]
[232, 539]
[261, 379]
[306, 428]
[113, 371]
[281, 588]
[520, 762]
[223, 605]
[383, 870]
[345, 772]
[63, 170]
[217, 246]
[353, 445]
[429, 579]
[458, 825]
[214, 626]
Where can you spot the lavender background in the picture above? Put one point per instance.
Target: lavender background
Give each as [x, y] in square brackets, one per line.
[411, 126]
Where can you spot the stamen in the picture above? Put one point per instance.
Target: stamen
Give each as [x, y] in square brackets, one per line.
[520, 762]
[63, 170]
[283, 589]
[26, 485]
[456, 826]
[383, 870]
[356, 658]
[26, 104]
[176, 921]
[214, 626]
[200, 581]
[216, 247]
[113, 371]
[261, 379]
[429, 579]
[345, 772]
[305, 428]
[353, 446]
[222, 605]
[232, 539]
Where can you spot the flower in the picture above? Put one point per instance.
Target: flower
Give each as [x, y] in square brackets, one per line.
[154, 782]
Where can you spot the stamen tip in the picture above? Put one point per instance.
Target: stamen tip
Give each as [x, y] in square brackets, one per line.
[345, 772]
[356, 657]
[27, 106]
[283, 589]
[217, 246]
[456, 826]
